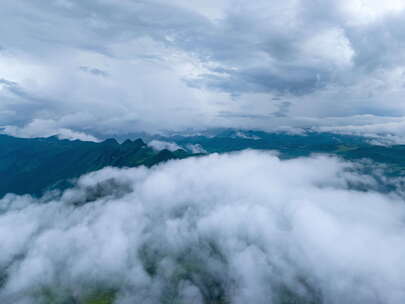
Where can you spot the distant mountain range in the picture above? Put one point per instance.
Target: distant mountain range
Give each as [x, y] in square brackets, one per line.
[349, 147]
[39, 164]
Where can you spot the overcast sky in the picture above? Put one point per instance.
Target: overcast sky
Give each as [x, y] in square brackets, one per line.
[81, 68]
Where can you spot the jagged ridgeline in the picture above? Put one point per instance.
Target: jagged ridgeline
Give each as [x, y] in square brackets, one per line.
[218, 229]
[32, 166]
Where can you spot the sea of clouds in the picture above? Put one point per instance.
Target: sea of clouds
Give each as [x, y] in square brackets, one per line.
[240, 228]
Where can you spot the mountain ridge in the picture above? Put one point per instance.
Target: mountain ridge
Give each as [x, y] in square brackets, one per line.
[35, 165]
[32, 166]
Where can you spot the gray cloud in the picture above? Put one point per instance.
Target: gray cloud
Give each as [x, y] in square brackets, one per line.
[325, 60]
[93, 71]
[198, 230]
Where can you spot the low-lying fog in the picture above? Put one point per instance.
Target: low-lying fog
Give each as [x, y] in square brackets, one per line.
[234, 228]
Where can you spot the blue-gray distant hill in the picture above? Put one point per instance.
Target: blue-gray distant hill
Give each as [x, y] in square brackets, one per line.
[389, 158]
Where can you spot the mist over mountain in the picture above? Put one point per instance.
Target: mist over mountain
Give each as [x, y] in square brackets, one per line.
[34, 166]
[290, 220]
[202, 152]
[231, 228]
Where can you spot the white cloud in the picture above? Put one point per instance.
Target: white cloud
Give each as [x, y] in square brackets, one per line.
[363, 12]
[387, 133]
[330, 47]
[243, 225]
[196, 148]
[45, 128]
[160, 145]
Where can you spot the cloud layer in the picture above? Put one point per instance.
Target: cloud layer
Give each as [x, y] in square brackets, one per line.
[236, 228]
[109, 67]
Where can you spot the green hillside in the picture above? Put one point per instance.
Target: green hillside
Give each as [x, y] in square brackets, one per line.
[39, 164]
[35, 165]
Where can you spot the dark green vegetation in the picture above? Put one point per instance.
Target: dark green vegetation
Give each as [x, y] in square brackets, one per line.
[53, 296]
[35, 165]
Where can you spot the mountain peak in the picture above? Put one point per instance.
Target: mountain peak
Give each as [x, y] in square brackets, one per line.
[110, 141]
[136, 144]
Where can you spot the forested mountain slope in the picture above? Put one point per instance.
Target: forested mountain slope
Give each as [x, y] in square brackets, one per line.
[35, 165]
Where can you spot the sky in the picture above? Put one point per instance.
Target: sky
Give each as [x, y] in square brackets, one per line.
[83, 69]
[190, 229]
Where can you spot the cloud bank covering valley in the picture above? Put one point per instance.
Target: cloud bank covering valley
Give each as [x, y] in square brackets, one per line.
[234, 228]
